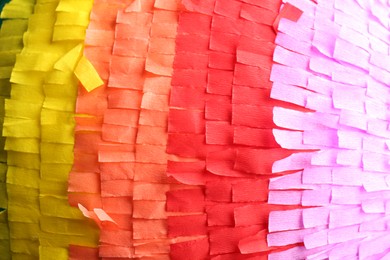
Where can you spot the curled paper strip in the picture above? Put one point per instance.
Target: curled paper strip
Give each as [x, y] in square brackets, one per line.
[333, 61]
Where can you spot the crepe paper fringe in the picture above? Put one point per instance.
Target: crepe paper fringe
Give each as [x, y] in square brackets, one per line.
[334, 61]
[150, 180]
[220, 139]
[15, 15]
[121, 126]
[13, 25]
[57, 127]
[85, 179]
[220, 130]
[124, 151]
[39, 132]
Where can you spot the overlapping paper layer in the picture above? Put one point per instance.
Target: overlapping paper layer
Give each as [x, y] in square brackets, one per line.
[334, 61]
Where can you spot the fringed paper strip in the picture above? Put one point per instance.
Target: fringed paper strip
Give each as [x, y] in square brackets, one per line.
[120, 126]
[85, 189]
[14, 24]
[136, 121]
[220, 129]
[57, 130]
[334, 60]
[12, 32]
[39, 129]
[150, 179]
[132, 117]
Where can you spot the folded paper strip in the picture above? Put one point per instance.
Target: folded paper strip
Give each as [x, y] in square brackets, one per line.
[334, 60]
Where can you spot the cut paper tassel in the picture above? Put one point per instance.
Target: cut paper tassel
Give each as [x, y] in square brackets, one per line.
[39, 128]
[220, 130]
[333, 60]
